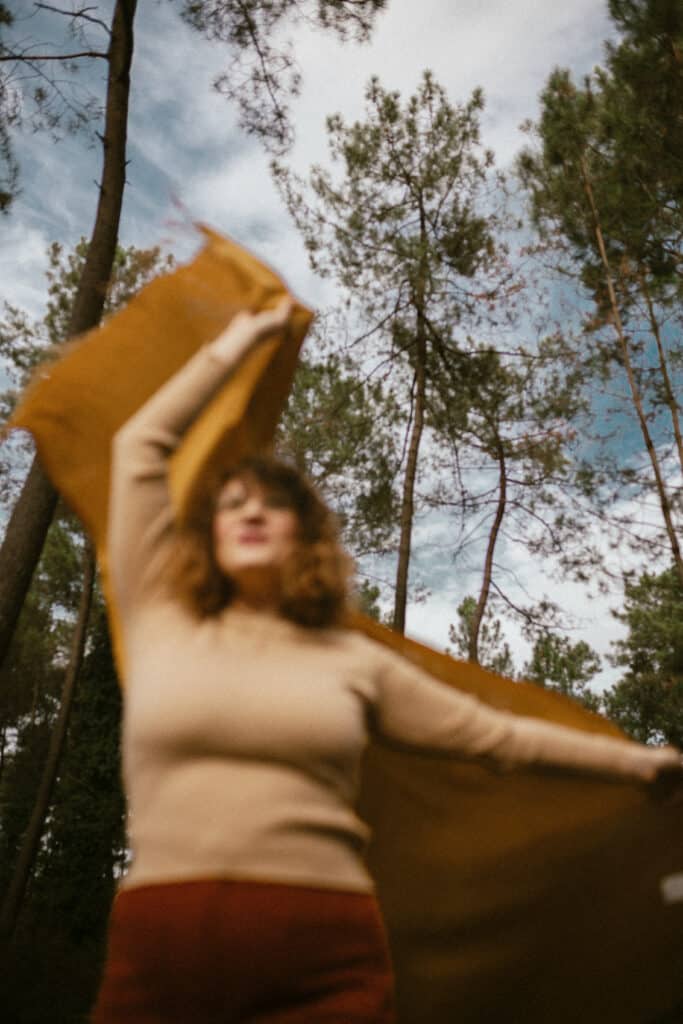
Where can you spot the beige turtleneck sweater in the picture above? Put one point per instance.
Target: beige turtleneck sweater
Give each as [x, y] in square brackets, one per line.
[243, 733]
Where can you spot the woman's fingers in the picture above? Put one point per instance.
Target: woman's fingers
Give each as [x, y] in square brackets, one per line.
[246, 329]
[271, 320]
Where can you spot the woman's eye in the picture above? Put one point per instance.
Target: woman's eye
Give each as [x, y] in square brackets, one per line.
[277, 501]
[230, 503]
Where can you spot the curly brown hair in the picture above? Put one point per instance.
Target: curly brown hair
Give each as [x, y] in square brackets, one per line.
[315, 577]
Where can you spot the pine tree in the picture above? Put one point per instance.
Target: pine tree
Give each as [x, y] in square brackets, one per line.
[493, 649]
[557, 664]
[403, 231]
[339, 430]
[648, 701]
[605, 183]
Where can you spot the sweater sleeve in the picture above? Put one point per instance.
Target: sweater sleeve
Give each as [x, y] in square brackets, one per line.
[141, 520]
[415, 709]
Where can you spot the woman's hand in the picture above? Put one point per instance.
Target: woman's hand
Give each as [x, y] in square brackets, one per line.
[246, 329]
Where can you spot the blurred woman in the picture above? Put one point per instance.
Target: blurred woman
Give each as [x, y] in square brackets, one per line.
[248, 707]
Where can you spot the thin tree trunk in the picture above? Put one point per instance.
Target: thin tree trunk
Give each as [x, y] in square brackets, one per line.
[420, 383]
[664, 500]
[669, 396]
[478, 617]
[408, 498]
[29, 847]
[33, 512]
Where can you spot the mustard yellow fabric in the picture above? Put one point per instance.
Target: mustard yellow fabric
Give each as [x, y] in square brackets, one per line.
[76, 404]
[532, 897]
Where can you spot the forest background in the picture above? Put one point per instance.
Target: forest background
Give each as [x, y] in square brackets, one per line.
[490, 397]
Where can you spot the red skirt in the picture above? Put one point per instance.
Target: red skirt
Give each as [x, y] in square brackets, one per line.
[219, 952]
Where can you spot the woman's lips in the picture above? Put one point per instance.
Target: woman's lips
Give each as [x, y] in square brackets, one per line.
[251, 538]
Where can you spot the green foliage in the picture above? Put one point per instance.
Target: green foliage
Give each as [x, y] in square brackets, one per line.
[263, 72]
[25, 754]
[26, 342]
[404, 229]
[84, 850]
[557, 664]
[132, 269]
[51, 970]
[593, 136]
[30, 683]
[404, 221]
[338, 429]
[368, 600]
[494, 650]
[605, 181]
[61, 929]
[648, 701]
[401, 225]
[645, 88]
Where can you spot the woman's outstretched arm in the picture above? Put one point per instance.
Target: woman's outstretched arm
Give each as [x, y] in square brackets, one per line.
[140, 514]
[414, 709]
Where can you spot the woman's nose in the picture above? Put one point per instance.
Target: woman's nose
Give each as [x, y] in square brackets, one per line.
[253, 508]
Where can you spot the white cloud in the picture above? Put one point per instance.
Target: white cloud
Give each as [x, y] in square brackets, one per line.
[23, 261]
[506, 47]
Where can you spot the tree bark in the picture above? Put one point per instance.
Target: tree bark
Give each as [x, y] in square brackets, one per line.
[478, 617]
[408, 498]
[664, 499]
[33, 513]
[21, 547]
[24, 866]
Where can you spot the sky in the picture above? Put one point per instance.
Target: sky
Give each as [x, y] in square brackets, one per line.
[189, 161]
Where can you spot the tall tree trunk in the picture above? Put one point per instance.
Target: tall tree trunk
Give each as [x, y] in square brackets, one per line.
[33, 512]
[478, 617]
[25, 860]
[420, 384]
[662, 492]
[408, 498]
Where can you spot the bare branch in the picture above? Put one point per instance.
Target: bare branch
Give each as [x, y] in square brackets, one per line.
[28, 59]
[83, 13]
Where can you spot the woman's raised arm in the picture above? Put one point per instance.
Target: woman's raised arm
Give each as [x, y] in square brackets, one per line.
[140, 515]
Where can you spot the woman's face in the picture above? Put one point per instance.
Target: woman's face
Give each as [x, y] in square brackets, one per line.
[254, 528]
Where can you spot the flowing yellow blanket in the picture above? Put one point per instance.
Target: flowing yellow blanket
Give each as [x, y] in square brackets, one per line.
[535, 897]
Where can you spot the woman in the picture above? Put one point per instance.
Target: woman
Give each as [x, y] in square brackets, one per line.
[246, 716]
